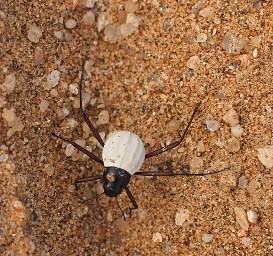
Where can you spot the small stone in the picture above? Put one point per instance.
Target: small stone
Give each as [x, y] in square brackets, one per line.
[246, 241]
[241, 217]
[88, 18]
[9, 116]
[68, 36]
[88, 3]
[4, 157]
[196, 163]
[255, 53]
[219, 251]
[34, 33]
[252, 216]
[71, 188]
[193, 62]
[232, 44]
[38, 57]
[112, 33]
[232, 145]
[82, 210]
[268, 109]
[231, 117]
[59, 35]
[9, 83]
[237, 131]
[102, 21]
[53, 78]
[49, 170]
[201, 38]
[44, 105]
[181, 216]
[73, 88]
[206, 12]
[70, 23]
[70, 150]
[200, 147]
[72, 123]
[130, 6]
[265, 155]
[133, 20]
[103, 118]
[157, 237]
[207, 238]
[212, 125]
[243, 182]
[126, 29]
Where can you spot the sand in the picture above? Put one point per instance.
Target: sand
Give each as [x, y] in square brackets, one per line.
[145, 72]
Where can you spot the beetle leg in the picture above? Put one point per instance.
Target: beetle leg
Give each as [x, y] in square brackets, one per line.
[177, 143]
[133, 201]
[84, 114]
[80, 148]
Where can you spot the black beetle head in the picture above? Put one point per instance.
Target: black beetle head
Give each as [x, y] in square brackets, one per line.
[115, 180]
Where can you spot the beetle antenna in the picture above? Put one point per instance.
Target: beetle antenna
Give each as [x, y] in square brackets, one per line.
[120, 209]
[86, 179]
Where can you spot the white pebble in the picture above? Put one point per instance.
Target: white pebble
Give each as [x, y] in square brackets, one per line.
[255, 53]
[59, 35]
[112, 33]
[9, 116]
[237, 130]
[53, 78]
[9, 83]
[132, 19]
[207, 238]
[212, 125]
[200, 147]
[193, 62]
[103, 117]
[201, 38]
[101, 21]
[34, 33]
[196, 163]
[252, 216]
[233, 44]
[4, 157]
[242, 181]
[73, 88]
[206, 12]
[70, 150]
[70, 23]
[44, 105]
[88, 3]
[231, 117]
[72, 123]
[181, 216]
[130, 6]
[88, 18]
[126, 29]
[232, 145]
[157, 237]
[265, 155]
[241, 217]
[246, 241]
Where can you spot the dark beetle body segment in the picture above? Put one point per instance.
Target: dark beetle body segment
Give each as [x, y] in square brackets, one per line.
[115, 180]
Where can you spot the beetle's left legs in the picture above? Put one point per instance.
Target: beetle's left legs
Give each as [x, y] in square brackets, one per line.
[86, 179]
[84, 114]
[133, 201]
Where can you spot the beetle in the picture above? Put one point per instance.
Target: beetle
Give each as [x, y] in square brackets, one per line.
[123, 155]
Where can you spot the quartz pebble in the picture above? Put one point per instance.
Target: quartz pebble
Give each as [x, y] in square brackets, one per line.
[44, 105]
[232, 44]
[53, 78]
[265, 155]
[157, 237]
[4, 157]
[206, 12]
[212, 125]
[12, 120]
[232, 145]
[103, 117]
[34, 33]
[196, 163]
[112, 33]
[246, 241]
[130, 6]
[201, 38]
[88, 3]
[200, 147]
[252, 216]
[181, 216]
[207, 238]
[88, 18]
[73, 88]
[70, 23]
[231, 117]
[70, 150]
[237, 131]
[9, 83]
[101, 21]
[241, 217]
[193, 62]
[242, 181]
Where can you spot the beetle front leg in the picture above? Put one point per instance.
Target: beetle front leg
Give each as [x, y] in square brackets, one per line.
[133, 201]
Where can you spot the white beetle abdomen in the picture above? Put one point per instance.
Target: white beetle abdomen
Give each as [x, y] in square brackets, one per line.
[123, 150]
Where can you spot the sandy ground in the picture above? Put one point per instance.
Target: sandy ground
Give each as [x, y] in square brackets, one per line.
[182, 52]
